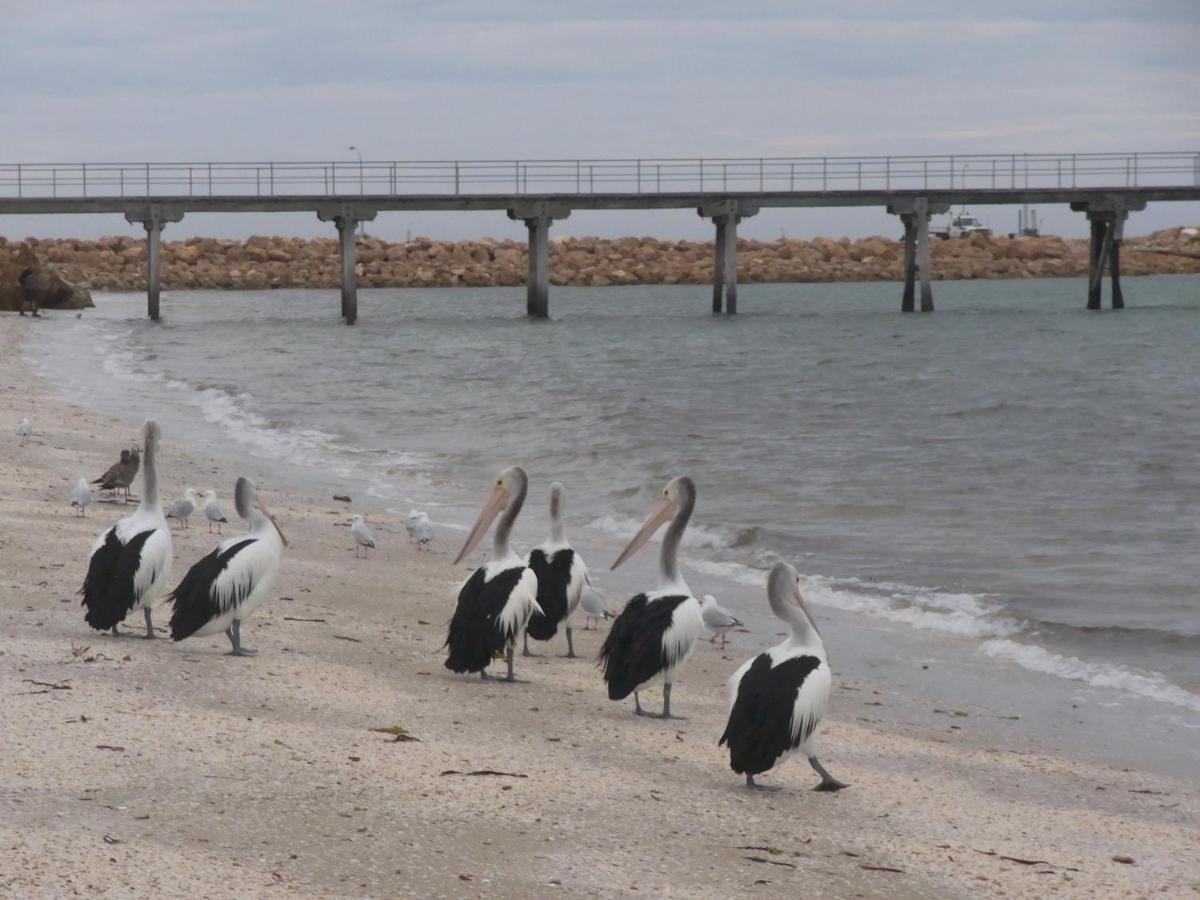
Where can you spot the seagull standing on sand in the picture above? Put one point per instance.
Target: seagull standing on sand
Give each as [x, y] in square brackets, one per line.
[81, 496]
[410, 525]
[423, 532]
[717, 618]
[131, 561]
[655, 632]
[594, 605]
[778, 698]
[24, 430]
[364, 538]
[495, 603]
[213, 511]
[182, 508]
[221, 591]
[561, 576]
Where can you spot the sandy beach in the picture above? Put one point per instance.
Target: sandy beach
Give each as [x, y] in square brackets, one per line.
[136, 768]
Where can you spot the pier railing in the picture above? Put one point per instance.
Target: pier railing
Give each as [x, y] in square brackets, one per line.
[599, 176]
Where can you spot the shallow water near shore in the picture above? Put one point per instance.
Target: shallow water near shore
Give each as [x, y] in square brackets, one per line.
[1007, 486]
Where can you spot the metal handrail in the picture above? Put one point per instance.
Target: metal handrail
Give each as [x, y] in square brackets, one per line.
[393, 178]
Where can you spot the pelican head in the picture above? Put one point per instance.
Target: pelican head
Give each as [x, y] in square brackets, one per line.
[249, 507]
[679, 496]
[783, 592]
[508, 491]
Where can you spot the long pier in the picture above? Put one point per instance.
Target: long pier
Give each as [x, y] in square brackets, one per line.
[1106, 187]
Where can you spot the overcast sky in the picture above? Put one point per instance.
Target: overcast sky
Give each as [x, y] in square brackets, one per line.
[128, 80]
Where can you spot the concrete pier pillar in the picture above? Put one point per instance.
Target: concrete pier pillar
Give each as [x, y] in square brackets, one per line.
[1116, 233]
[725, 215]
[910, 262]
[1106, 221]
[718, 280]
[538, 217]
[923, 264]
[1096, 263]
[153, 218]
[346, 218]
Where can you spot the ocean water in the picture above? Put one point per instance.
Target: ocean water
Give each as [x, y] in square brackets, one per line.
[1012, 473]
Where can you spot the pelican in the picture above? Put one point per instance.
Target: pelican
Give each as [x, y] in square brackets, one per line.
[131, 561]
[182, 508]
[717, 618]
[24, 430]
[561, 576]
[120, 475]
[213, 511]
[777, 698]
[655, 632]
[220, 591]
[363, 536]
[81, 496]
[594, 605]
[495, 603]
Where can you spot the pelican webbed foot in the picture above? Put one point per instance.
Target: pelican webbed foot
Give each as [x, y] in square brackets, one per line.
[753, 785]
[828, 782]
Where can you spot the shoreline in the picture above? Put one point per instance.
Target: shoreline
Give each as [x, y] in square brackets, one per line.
[373, 818]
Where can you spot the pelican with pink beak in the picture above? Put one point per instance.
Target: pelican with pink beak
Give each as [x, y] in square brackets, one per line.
[496, 602]
[655, 632]
[778, 698]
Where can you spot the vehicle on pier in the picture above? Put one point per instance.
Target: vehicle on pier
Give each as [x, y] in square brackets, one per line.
[961, 225]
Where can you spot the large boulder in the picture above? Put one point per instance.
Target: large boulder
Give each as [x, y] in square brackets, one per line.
[53, 291]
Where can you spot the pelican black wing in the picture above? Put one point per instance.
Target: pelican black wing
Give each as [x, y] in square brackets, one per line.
[195, 605]
[553, 576]
[632, 653]
[475, 634]
[107, 590]
[759, 730]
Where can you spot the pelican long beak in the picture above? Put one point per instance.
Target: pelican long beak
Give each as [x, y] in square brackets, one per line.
[266, 512]
[799, 598]
[496, 502]
[662, 513]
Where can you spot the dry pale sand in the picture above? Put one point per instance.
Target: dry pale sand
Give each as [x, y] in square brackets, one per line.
[152, 769]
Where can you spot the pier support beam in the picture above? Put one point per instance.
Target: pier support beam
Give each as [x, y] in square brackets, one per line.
[346, 219]
[153, 218]
[725, 216]
[538, 218]
[915, 215]
[1106, 218]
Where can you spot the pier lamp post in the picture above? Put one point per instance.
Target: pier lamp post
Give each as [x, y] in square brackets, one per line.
[362, 226]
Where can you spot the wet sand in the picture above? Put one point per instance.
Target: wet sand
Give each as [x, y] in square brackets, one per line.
[147, 768]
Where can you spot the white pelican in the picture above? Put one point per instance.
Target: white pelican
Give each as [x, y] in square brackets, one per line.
[81, 496]
[655, 632]
[777, 698]
[24, 430]
[221, 591]
[363, 536]
[717, 618]
[594, 605]
[131, 561]
[120, 474]
[213, 511]
[182, 508]
[561, 576]
[495, 603]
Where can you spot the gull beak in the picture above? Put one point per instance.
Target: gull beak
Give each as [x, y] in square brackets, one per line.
[496, 503]
[662, 513]
[266, 512]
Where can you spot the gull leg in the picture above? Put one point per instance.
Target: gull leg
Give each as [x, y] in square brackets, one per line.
[149, 624]
[751, 784]
[828, 782]
[235, 638]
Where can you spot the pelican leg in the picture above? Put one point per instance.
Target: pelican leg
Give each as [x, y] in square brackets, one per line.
[666, 713]
[828, 782]
[511, 678]
[149, 625]
[115, 633]
[637, 706]
[524, 652]
[570, 645]
[753, 785]
[234, 632]
[483, 675]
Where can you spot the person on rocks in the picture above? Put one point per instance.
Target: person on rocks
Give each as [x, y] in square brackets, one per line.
[29, 285]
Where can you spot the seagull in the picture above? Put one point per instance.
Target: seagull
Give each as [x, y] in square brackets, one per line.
[131, 561]
[423, 532]
[561, 576]
[717, 618]
[24, 430]
[363, 536]
[81, 496]
[220, 591]
[655, 632]
[182, 508]
[414, 516]
[595, 606]
[778, 698]
[495, 603]
[213, 511]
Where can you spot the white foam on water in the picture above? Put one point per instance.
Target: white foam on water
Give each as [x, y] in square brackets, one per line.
[625, 527]
[1103, 675]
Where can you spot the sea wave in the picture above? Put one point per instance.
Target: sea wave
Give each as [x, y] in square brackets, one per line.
[696, 536]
